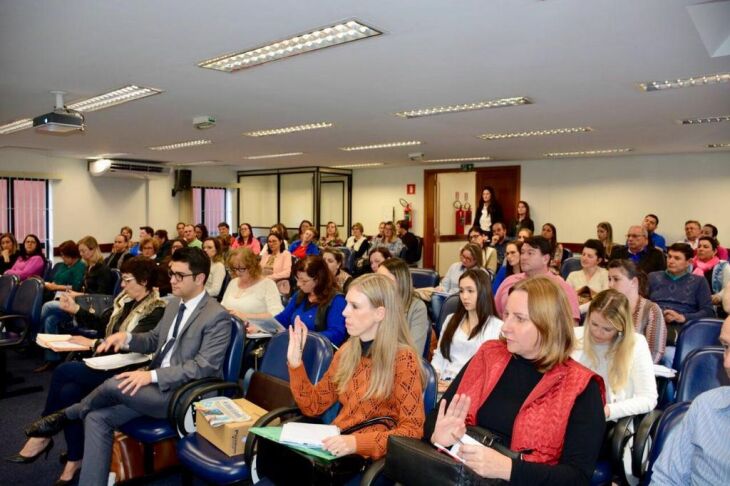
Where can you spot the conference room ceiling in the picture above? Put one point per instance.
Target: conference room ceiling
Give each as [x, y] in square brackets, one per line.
[579, 63]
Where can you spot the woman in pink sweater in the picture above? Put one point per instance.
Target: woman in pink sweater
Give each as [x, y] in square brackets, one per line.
[31, 261]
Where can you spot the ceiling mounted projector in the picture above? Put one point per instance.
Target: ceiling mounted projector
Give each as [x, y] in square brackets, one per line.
[60, 120]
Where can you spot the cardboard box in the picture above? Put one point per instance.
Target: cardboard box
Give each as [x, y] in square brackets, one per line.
[229, 438]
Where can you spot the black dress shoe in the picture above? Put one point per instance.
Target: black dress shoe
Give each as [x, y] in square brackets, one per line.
[19, 459]
[64, 482]
[47, 426]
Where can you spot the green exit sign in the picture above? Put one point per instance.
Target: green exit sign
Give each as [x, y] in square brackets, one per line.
[467, 167]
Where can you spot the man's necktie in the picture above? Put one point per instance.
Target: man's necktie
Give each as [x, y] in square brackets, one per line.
[168, 345]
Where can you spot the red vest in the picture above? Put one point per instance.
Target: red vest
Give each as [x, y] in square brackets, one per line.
[541, 423]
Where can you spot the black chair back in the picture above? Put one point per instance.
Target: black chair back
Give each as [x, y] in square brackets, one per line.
[117, 282]
[8, 286]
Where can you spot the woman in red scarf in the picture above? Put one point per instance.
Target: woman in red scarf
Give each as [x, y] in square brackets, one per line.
[707, 264]
[525, 389]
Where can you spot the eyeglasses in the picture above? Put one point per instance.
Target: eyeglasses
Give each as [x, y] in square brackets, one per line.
[631, 235]
[148, 248]
[239, 269]
[178, 276]
[127, 279]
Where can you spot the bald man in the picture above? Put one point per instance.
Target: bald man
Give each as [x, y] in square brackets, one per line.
[637, 250]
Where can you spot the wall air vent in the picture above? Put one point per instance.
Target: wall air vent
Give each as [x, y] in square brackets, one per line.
[128, 169]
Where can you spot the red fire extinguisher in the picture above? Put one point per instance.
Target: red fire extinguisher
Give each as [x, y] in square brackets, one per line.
[407, 212]
[460, 221]
[467, 209]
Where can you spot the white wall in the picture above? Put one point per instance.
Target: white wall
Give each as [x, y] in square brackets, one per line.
[575, 194]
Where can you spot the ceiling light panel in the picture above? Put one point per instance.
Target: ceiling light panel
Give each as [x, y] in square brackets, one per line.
[16, 126]
[112, 98]
[686, 82]
[273, 156]
[357, 166]
[479, 105]
[381, 146]
[709, 119]
[534, 133]
[179, 145]
[589, 152]
[458, 159]
[286, 130]
[340, 33]
[718, 145]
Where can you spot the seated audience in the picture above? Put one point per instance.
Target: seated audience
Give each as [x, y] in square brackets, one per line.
[709, 265]
[489, 254]
[148, 248]
[280, 230]
[551, 234]
[415, 309]
[511, 264]
[69, 273]
[524, 233]
[276, 264]
[681, 295]
[191, 238]
[465, 330]
[177, 244]
[306, 245]
[696, 452]
[119, 252]
[535, 256]
[637, 249]
[334, 259]
[30, 261]
[651, 221]
[201, 232]
[127, 232]
[592, 278]
[136, 309]
[604, 233]
[410, 241]
[145, 232]
[527, 391]
[214, 284]
[317, 304]
[304, 226]
[499, 240]
[522, 221]
[489, 211]
[163, 244]
[8, 252]
[246, 239]
[692, 233]
[711, 230]
[375, 373]
[609, 346]
[224, 230]
[647, 317]
[377, 256]
[331, 237]
[250, 295]
[389, 240]
[470, 257]
[358, 242]
[180, 228]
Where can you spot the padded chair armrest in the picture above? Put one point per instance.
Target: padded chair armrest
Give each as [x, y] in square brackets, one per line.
[373, 472]
[13, 317]
[642, 438]
[182, 403]
[247, 380]
[623, 431]
[176, 397]
[263, 421]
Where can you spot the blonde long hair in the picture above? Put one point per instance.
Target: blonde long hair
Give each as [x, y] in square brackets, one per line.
[615, 308]
[391, 337]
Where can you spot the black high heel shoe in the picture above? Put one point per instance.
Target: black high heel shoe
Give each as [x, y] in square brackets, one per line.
[74, 478]
[17, 458]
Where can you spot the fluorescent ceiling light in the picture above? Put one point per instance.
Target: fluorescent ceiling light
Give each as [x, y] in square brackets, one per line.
[340, 33]
[459, 159]
[479, 105]
[381, 146]
[16, 126]
[272, 156]
[534, 133]
[589, 152]
[357, 166]
[197, 163]
[285, 130]
[179, 145]
[708, 119]
[112, 98]
[718, 145]
[686, 82]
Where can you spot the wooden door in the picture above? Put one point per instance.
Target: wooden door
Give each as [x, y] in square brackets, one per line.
[506, 184]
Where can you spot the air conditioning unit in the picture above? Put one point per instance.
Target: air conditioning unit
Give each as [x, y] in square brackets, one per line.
[128, 169]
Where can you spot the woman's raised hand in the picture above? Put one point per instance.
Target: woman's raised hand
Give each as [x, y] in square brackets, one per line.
[451, 422]
[297, 338]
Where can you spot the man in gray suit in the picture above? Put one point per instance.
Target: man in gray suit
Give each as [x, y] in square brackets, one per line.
[189, 343]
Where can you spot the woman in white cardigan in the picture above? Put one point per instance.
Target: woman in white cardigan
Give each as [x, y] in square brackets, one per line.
[250, 295]
[621, 356]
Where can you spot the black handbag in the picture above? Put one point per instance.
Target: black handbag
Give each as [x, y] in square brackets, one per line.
[416, 463]
[285, 466]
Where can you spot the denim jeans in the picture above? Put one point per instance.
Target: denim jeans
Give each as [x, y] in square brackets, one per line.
[51, 316]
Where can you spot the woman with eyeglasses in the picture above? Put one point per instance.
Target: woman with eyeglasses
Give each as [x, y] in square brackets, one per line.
[250, 295]
[276, 264]
[30, 261]
[246, 239]
[214, 284]
[137, 309]
[389, 240]
[317, 304]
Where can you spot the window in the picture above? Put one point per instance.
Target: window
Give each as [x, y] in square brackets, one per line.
[25, 208]
[210, 206]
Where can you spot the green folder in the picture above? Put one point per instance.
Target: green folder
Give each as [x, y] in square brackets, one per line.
[274, 433]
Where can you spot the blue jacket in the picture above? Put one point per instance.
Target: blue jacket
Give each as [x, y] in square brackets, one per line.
[335, 326]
